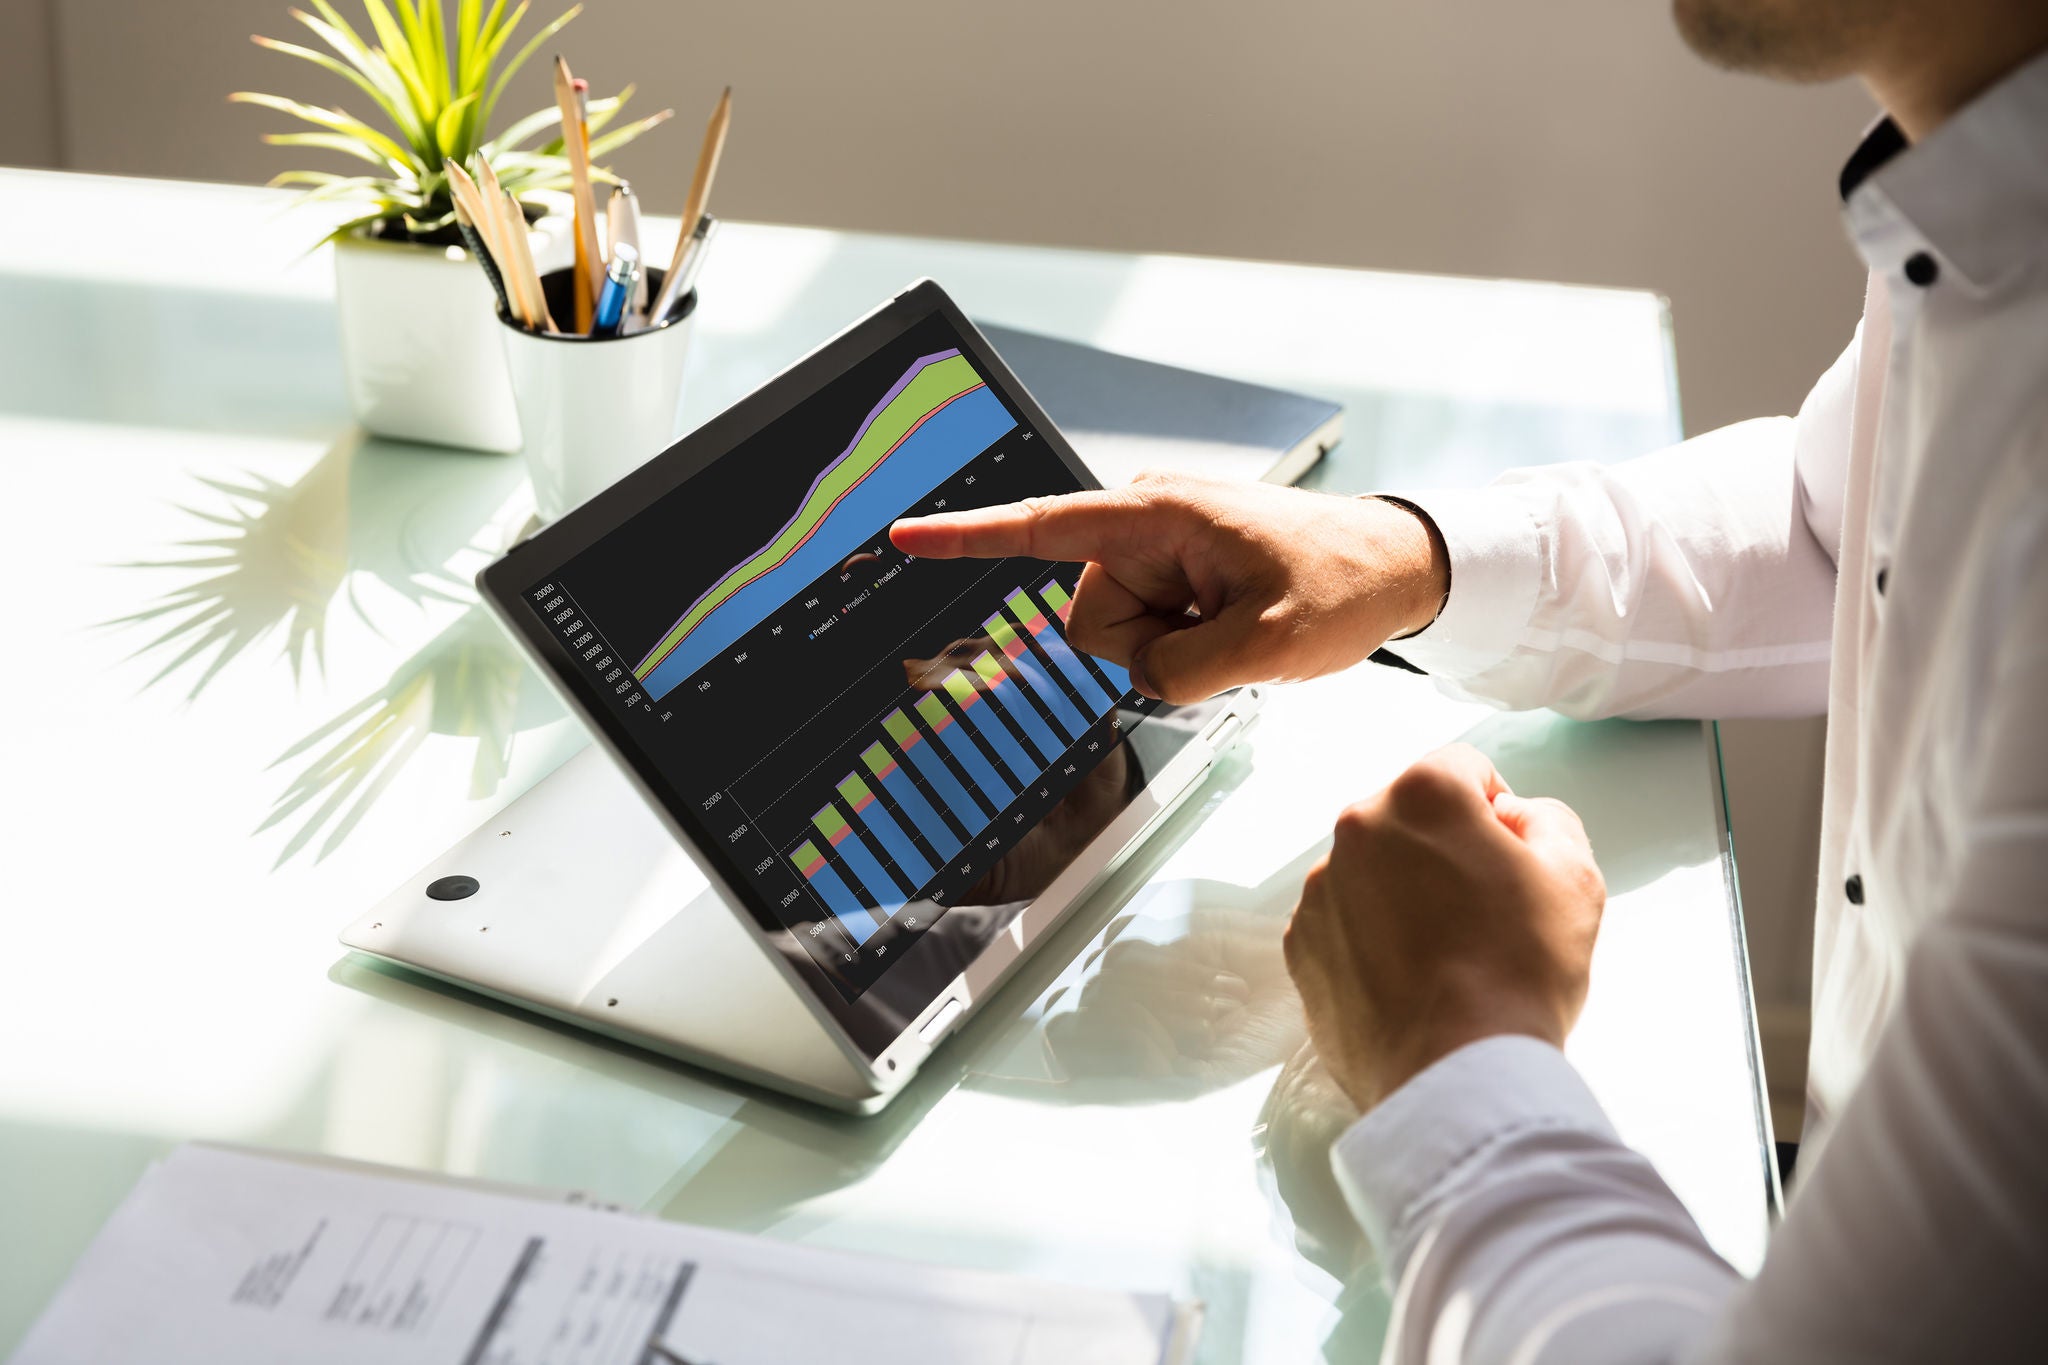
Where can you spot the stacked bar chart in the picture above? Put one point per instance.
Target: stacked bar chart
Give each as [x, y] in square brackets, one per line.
[980, 771]
[867, 868]
[1064, 712]
[883, 826]
[1056, 597]
[1094, 695]
[937, 833]
[964, 808]
[949, 760]
[838, 897]
[1011, 699]
[991, 727]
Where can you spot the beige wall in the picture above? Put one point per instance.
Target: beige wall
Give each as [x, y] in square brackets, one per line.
[1570, 140]
[30, 133]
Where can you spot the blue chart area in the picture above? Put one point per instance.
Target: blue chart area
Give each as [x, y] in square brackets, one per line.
[934, 452]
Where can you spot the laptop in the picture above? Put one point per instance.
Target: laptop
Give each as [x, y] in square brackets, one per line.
[839, 794]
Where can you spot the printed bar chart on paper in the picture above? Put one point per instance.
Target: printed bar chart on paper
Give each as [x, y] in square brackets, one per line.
[970, 814]
[962, 750]
[896, 782]
[990, 726]
[832, 889]
[933, 420]
[870, 812]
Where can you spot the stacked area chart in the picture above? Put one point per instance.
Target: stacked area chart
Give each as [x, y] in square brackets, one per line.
[934, 419]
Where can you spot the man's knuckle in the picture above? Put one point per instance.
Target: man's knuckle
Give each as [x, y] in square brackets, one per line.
[1357, 822]
[1425, 789]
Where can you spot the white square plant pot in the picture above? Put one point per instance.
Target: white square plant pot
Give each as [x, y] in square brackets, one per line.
[419, 339]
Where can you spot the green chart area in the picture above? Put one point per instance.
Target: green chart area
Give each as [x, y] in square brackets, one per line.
[923, 392]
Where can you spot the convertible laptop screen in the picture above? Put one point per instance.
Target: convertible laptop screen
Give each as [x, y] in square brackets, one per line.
[864, 738]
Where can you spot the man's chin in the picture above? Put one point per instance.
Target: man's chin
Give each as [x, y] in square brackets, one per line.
[1796, 40]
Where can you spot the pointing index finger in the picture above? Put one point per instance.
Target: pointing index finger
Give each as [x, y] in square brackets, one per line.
[1067, 527]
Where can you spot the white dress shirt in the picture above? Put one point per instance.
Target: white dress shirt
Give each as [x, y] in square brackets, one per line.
[1883, 555]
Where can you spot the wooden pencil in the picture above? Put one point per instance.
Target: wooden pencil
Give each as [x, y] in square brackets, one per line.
[509, 231]
[474, 241]
[576, 143]
[693, 207]
[522, 248]
[484, 220]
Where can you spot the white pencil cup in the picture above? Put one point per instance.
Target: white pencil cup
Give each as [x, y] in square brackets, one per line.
[594, 409]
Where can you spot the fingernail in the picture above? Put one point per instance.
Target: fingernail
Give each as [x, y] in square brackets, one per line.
[1140, 681]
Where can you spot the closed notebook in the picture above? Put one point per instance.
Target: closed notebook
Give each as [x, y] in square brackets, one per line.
[1126, 415]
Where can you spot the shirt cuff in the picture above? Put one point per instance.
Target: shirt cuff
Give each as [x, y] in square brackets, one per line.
[1430, 1135]
[1495, 548]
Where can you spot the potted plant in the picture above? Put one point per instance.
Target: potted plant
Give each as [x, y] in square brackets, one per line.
[419, 348]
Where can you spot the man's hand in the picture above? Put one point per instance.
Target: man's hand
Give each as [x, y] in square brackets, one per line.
[1196, 585]
[1448, 910]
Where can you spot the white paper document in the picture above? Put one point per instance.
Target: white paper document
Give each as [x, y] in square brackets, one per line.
[221, 1257]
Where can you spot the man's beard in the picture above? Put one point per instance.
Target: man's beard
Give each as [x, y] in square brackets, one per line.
[1800, 40]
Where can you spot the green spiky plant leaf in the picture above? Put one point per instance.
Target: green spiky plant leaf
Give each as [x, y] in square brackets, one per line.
[436, 86]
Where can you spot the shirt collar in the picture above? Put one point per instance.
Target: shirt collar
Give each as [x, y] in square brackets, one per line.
[1973, 193]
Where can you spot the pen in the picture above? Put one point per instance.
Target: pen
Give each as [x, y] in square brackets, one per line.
[622, 224]
[619, 282]
[693, 260]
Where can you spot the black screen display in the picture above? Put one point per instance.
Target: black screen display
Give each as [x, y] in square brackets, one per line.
[870, 743]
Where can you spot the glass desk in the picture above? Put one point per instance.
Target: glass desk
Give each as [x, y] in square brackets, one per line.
[249, 692]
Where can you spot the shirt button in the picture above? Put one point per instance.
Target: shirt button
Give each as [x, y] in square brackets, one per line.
[1922, 269]
[1882, 574]
[1853, 889]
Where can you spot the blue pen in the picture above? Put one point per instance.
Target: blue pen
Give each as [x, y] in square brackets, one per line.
[620, 278]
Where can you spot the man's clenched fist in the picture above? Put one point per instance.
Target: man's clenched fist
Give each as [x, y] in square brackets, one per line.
[1448, 910]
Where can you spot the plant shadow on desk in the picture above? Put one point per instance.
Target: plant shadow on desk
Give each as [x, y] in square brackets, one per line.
[281, 560]
[279, 557]
[468, 682]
